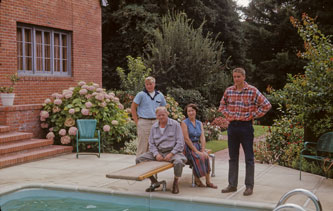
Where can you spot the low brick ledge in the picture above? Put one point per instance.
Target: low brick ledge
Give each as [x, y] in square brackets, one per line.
[20, 107]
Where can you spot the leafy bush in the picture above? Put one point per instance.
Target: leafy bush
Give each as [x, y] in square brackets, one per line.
[134, 81]
[185, 97]
[86, 101]
[182, 56]
[285, 131]
[310, 95]
[175, 112]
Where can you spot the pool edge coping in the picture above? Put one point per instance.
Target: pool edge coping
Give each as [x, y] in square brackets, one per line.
[152, 195]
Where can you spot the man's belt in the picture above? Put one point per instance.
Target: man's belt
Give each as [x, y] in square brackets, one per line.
[147, 118]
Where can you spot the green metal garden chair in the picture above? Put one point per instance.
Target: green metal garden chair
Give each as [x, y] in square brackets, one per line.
[86, 133]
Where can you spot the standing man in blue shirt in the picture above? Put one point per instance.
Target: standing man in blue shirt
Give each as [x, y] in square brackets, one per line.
[143, 112]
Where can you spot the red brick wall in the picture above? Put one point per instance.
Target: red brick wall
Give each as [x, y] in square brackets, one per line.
[82, 18]
[22, 118]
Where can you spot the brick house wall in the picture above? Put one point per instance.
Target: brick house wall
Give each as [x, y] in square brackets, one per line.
[80, 17]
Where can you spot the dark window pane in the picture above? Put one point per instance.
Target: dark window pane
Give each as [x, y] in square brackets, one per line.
[27, 34]
[47, 38]
[64, 66]
[47, 65]
[64, 40]
[28, 63]
[38, 37]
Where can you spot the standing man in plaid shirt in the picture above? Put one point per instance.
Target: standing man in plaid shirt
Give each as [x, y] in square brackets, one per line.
[241, 104]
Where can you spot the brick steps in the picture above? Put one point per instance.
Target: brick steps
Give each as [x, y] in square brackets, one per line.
[20, 147]
[33, 154]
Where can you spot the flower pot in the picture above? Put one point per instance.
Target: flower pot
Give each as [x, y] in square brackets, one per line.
[7, 99]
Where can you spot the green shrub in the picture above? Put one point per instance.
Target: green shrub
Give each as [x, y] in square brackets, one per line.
[182, 56]
[175, 111]
[285, 131]
[185, 97]
[86, 101]
[134, 81]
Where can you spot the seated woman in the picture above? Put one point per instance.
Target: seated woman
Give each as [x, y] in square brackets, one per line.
[195, 153]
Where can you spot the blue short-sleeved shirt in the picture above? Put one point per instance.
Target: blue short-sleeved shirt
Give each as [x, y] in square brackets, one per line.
[147, 105]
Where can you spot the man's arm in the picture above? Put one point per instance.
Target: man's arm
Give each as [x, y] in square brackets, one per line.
[263, 105]
[152, 145]
[224, 106]
[134, 106]
[179, 146]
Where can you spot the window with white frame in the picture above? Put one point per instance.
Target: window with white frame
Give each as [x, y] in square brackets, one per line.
[43, 51]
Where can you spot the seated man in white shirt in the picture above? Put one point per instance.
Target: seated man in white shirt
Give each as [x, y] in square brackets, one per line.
[166, 143]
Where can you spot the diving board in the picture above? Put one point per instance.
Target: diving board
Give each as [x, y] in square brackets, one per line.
[141, 171]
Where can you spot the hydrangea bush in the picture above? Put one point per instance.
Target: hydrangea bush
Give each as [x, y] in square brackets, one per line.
[175, 111]
[86, 101]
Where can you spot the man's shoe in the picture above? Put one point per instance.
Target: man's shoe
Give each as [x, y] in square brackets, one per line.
[248, 191]
[153, 187]
[229, 189]
[175, 188]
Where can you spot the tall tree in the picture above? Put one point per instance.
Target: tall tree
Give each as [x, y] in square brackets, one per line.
[128, 26]
[182, 56]
[272, 43]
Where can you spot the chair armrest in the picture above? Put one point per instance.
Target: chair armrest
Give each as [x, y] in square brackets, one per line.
[308, 147]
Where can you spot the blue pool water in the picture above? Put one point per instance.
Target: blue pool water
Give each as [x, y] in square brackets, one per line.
[37, 199]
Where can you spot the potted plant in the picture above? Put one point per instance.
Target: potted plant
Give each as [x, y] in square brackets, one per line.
[6, 93]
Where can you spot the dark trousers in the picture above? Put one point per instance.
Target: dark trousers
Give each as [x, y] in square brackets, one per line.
[240, 132]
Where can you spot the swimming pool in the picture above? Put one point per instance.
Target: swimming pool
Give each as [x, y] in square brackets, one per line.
[52, 199]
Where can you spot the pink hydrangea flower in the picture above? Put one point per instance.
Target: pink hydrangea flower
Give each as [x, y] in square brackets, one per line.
[116, 99]
[65, 140]
[91, 88]
[54, 95]
[107, 100]
[55, 109]
[44, 114]
[81, 83]
[72, 131]
[128, 110]
[95, 85]
[106, 96]
[51, 129]
[57, 101]
[103, 104]
[85, 111]
[50, 135]
[62, 132]
[99, 97]
[83, 91]
[71, 111]
[88, 104]
[106, 128]
[47, 101]
[112, 94]
[120, 106]
[71, 88]
[84, 86]
[114, 122]
[99, 90]
[44, 125]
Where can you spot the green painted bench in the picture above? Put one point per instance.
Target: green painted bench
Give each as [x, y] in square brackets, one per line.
[322, 151]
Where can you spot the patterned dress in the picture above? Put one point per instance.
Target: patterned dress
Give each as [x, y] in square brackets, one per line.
[200, 165]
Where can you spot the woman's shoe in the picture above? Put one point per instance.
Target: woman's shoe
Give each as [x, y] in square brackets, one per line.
[198, 183]
[211, 185]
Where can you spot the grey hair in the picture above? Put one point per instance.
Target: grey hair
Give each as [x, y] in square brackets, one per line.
[150, 79]
[239, 70]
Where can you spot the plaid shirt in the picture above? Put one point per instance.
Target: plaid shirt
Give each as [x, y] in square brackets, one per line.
[243, 105]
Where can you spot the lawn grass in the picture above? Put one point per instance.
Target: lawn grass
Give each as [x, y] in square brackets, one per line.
[259, 130]
[217, 145]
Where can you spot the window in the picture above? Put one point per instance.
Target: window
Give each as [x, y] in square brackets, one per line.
[43, 51]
